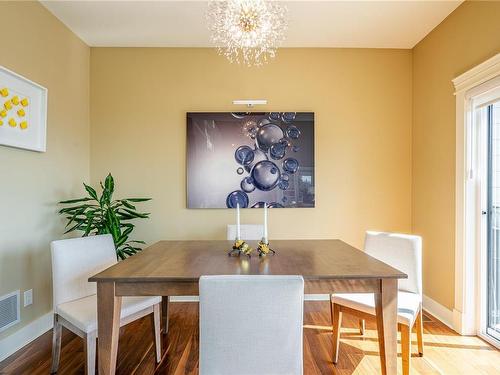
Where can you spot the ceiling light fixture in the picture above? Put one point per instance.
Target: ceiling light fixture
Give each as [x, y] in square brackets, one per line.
[247, 31]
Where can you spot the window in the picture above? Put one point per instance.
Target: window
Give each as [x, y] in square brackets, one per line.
[485, 164]
[492, 284]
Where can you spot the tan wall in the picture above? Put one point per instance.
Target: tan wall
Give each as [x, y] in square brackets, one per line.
[362, 101]
[139, 97]
[35, 44]
[470, 35]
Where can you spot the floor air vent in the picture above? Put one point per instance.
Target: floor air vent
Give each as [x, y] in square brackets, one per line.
[9, 310]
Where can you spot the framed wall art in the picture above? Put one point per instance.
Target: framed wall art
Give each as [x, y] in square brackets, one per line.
[250, 159]
[23, 112]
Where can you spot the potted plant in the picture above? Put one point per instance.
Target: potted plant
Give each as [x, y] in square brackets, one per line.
[102, 215]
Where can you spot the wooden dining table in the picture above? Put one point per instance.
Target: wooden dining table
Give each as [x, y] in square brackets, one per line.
[173, 268]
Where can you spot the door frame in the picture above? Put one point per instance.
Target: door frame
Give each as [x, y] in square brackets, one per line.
[469, 86]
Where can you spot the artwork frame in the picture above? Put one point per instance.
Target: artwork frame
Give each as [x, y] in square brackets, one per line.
[280, 172]
[23, 112]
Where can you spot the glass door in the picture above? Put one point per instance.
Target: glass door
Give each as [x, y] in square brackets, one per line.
[493, 236]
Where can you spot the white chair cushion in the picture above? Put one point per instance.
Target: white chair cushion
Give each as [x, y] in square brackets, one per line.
[408, 304]
[82, 313]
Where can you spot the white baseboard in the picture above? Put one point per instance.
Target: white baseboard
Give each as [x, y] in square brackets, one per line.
[11, 344]
[307, 297]
[184, 299]
[442, 313]
[316, 297]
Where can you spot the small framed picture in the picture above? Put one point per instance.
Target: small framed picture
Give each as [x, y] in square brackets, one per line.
[23, 112]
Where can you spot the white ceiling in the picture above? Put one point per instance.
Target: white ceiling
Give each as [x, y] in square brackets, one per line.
[356, 24]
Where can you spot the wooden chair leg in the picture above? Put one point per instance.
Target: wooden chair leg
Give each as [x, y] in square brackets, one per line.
[164, 312]
[405, 348]
[90, 351]
[337, 323]
[331, 308]
[56, 345]
[361, 327]
[157, 331]
[420, 333]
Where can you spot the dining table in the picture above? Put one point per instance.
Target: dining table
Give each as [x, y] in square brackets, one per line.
[173, 268]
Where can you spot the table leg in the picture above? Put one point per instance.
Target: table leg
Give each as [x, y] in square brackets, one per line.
[108, 323]
[386, 304]
[164, 312]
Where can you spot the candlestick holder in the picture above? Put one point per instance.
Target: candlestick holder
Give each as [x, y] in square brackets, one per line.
[264, 249]
[241, 247]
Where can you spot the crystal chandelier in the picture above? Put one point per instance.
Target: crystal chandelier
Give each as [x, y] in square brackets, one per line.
[247, 31]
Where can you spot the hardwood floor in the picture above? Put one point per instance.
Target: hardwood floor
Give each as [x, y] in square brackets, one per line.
[445, 352]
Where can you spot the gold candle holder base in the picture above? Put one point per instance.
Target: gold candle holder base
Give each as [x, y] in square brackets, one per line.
[241, 247]
[264, 249]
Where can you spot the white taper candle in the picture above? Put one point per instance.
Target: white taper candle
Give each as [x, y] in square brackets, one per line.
[238, 230]
[265, 223]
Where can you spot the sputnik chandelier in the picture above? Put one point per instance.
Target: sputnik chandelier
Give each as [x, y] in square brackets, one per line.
[247, 31]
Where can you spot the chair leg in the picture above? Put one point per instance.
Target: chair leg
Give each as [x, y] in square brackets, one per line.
[56, 344]
[420, 333]
[164, 312]
[90, 351]
[157, 331]
[362, 327]
[405, 348]
[337, 323]
[331, 309]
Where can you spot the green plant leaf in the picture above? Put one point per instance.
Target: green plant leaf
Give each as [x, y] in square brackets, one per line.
[75, 227]
[70, 210]
[91, 191]
[114, 230]
[89, 227]
[75, 217]
[121, 240]
[125, 216]
[137, 199]
[137, 214]
[128, 205]
[109, 184]
[69, 201]
[121, 254]
[127, 231]
[132, 249]
[103, 230]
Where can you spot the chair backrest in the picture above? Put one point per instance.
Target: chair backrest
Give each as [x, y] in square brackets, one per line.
[74, 261]
[251, 324]
[249, 232]
[401, 251]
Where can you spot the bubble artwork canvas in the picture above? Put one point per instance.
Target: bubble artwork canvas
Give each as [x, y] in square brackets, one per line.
[250, 159]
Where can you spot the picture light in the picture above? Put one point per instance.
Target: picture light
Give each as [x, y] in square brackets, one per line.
[250, 102]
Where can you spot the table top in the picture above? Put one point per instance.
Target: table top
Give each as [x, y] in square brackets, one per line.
[188, 260]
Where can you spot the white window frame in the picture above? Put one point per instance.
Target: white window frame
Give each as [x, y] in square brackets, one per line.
[468, 263]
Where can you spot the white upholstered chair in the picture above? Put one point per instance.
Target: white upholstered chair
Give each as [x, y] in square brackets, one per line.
[251, 325]
[249, 232]
[75, 302]
[403, 252]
